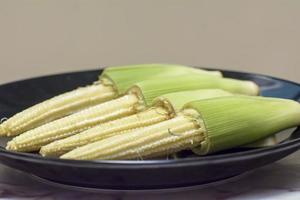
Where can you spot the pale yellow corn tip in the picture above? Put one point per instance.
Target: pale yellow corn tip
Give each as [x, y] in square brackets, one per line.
[2, 131]
[55, 108]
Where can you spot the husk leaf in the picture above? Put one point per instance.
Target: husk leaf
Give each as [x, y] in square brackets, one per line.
[151, 89]
[239, 120]
[123, 77]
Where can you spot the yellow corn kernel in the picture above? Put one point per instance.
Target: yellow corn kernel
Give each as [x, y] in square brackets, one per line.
[36, 138]
[55, 108]
[181, 132]
[105, 130]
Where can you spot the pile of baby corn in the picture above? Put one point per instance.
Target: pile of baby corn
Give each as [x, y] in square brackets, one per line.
[150, 111]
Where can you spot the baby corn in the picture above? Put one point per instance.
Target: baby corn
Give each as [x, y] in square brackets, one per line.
[56, 107]
[205, 126]
[70, 125]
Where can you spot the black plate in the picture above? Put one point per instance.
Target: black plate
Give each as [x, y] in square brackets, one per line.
[189, 170]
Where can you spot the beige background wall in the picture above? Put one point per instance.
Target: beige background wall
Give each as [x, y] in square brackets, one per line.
[49, 36]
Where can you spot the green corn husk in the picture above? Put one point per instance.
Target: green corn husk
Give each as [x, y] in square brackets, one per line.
[150, 89]
[123, 77]
[178, 99]
[239, 120]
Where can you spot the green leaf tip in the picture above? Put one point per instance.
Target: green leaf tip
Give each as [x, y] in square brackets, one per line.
[238, 120]
[151, 89]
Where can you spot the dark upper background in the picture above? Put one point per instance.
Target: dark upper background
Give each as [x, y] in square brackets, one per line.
[52, 36]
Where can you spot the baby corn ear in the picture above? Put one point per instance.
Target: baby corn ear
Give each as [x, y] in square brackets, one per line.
[36, 138]
[55, 108]
[123, 77]
[235, 121]
[151, 89]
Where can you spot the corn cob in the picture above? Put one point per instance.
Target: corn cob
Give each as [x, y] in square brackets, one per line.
[114, 81]
[165, 107]
[32, 140]
[144, 92]
[205, 126]
[55, 108]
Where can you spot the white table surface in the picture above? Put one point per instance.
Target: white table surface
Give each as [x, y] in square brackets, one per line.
[280, 180]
